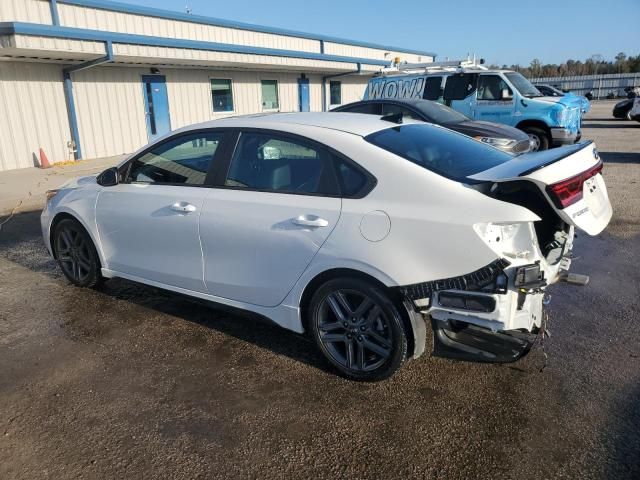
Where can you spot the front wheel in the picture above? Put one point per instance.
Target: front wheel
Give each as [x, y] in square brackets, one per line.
[358, 329]
[75, 253]
[538, 137]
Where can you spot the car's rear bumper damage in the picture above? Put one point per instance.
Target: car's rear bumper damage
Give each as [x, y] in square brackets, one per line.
[490, 315]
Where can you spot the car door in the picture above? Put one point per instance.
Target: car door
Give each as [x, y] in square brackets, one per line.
[271, 213]
[148, 223]
[460, 92]
[495, 100]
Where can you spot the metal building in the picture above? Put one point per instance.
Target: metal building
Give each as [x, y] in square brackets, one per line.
[108, 77]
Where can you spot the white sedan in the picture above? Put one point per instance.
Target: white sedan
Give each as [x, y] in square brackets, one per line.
[354, 229]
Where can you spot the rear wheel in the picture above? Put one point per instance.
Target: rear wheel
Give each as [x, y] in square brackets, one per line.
[358, 329]
[76, 254]
[538, 137]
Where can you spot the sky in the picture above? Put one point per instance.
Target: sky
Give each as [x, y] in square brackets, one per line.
[500, 31]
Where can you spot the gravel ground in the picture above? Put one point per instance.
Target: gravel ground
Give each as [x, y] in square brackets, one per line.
[133, 382]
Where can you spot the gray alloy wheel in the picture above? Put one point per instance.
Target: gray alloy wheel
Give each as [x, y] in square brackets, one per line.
[76, 254]
[358, 329]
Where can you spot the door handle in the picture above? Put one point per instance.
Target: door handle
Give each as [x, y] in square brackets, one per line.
[310, 221]
[183, 207]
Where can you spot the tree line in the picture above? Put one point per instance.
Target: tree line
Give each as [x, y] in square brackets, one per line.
[594, 65]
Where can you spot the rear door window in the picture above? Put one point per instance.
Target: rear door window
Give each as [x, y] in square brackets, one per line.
[277, 163]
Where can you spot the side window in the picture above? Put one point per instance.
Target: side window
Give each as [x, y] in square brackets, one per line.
[460, 86]
[432, 88]
[268, 161]
[493, 87]
[222, 95]
[335, 92]
[182, 160]
[352, 179]
[390, 108]
[270, 95]
[370, 108]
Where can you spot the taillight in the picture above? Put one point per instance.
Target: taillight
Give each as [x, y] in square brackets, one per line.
[569, 191]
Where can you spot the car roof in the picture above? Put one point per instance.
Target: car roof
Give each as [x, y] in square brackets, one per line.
[412, 102]
[361, 125]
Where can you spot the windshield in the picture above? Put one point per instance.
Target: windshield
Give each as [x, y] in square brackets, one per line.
[442, 151]
[438, 113]
[524, 86]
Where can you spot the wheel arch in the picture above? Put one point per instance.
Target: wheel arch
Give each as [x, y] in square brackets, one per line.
[58, 217]
[413, 322]
[535, 123]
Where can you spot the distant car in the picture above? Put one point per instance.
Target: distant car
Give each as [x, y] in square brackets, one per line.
[622, 109]
[503, 137]
[348, 227]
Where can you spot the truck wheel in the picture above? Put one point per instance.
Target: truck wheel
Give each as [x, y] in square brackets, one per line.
[358, 329]
[538, 137]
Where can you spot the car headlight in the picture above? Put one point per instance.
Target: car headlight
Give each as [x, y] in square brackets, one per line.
[497, 142]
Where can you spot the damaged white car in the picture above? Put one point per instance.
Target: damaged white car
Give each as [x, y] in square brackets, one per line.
[354, 229]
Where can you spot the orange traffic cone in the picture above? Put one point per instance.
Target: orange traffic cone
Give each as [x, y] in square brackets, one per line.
[44, 161]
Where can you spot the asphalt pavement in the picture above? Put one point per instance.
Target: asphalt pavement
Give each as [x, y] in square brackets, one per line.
[132, 382]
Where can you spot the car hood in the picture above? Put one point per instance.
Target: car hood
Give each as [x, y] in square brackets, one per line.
[79, 182]
[487, 129]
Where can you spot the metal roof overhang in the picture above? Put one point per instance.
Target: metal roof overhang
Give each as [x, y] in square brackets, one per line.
[19, 40]
[184, 17]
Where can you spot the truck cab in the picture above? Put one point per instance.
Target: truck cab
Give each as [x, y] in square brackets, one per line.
[500, 96]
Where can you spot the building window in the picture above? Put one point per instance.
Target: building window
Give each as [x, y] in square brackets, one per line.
[335, 93]
[222, 95]
[270, 95]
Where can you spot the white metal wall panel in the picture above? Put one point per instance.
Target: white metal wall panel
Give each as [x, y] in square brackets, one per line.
[35, 11]
[110, 108]
[54, 46]
[167, 55]
[86, 17]
[190, 100]
[374, 53]
[33, 114]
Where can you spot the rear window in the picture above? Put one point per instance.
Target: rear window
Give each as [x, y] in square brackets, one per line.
[442, 151]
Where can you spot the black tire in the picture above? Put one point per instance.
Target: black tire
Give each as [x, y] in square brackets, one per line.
[539, 137]
[76, 254]
[358, 329]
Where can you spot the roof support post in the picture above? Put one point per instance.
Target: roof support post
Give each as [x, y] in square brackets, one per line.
[327, 77]
[55, 19]
[68, 94]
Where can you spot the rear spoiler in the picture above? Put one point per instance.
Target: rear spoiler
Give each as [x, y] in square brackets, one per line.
[528, 163]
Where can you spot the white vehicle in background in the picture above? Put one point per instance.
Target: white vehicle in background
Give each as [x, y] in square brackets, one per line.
[351, 228]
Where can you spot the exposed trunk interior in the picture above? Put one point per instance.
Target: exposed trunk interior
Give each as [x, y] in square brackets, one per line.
[551, 230]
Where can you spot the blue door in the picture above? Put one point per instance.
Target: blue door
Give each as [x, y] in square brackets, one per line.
[156, 105]
[303, 94]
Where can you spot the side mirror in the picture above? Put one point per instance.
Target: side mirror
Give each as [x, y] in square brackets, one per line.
[506, 94]
[109, 177]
